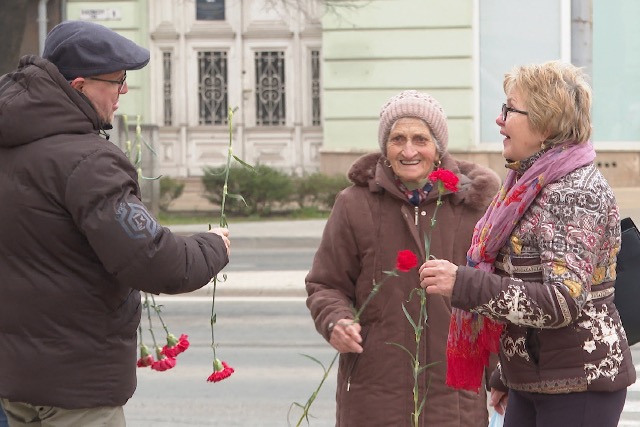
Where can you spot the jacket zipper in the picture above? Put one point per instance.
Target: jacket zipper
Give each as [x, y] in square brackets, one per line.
[355, 360]
[415, 210]
[353, 365]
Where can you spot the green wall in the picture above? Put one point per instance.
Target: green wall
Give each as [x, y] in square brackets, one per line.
[374, 49]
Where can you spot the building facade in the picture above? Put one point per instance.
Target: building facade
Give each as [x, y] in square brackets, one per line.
[256, 57]
[308, 77]
[459, 51]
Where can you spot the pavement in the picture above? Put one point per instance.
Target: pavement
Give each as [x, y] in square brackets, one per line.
[306, 234]
[271, 236]
[266, 234]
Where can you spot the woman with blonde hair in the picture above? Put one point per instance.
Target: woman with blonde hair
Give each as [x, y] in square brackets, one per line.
[539, 281]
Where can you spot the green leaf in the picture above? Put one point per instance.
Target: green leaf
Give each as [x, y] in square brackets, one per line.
[411, 355]
[243, 163]
[213, 172]
[146, 144]
[427, 246]
[424, 399]
[315, 360]
[151, 178]
[409, 318]
[237, 197]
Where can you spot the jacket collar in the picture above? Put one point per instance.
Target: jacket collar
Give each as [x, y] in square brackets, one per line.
[477, 184]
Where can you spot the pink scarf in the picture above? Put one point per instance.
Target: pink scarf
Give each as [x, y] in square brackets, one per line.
[472, 337]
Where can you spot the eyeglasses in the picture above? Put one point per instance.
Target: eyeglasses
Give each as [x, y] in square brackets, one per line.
[120, 82]
[506, 110]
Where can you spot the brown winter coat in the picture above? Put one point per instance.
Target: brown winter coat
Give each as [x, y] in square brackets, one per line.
[371, 221]
[76, 245]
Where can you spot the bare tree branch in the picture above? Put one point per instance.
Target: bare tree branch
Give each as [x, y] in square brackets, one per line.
[313, 9]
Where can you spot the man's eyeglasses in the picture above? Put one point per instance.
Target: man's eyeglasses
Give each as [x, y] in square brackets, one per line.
[506, 110]
[120, 82]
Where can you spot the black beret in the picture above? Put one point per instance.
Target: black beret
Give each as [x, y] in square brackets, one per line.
[81, 48]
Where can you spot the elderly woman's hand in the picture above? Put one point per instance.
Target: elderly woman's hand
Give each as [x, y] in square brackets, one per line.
[345, 336]
[437, 276]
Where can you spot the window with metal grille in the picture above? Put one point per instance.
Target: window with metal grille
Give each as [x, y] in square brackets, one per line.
[210, 10]
[166, 79]
[212, 88]
[270, 89]
[316, 112]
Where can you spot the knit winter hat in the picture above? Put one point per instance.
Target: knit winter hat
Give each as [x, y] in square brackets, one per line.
[411, 103]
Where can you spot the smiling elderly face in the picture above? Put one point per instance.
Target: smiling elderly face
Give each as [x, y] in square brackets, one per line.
[411, 149]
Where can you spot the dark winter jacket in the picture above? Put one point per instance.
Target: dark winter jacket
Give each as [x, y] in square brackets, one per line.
[554, 290]
[76, 246]
[371, 221]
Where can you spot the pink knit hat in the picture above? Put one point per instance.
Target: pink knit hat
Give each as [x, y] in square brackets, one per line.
[411, 103]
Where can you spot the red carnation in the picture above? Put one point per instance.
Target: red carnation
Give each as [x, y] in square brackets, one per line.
[406, 260]
[220, 371]
[446, 177]
[175, 346]
[164, 364]
[146, 359]
[143, 362]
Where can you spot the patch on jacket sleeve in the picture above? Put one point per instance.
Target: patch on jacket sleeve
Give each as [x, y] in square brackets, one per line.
[136, 221]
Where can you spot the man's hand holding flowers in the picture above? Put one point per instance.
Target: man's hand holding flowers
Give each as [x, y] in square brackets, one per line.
[224, 233]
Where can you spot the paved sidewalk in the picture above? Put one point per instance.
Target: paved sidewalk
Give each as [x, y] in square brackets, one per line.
[273, 235]
[270, 234]
[307, 234]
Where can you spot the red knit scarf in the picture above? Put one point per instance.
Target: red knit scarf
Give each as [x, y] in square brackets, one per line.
[472, 337]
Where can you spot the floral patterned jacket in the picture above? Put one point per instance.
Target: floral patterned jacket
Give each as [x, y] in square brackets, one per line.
[554, 289]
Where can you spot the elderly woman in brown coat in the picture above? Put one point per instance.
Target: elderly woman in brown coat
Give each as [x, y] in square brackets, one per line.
[387, 209]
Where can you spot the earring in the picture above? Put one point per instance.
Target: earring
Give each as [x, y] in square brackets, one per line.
[386, 162]
[437, 164]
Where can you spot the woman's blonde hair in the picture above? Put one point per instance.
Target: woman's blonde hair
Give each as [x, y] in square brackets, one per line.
[557, 97]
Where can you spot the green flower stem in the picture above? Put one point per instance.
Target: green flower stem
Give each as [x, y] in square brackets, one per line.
[148, 307]
[157, 310]
[417, 404]
[356, 319]
[222, 223]
[422, 319]
[138, 162]
[374, 291]
[213, 320]
[307, 406]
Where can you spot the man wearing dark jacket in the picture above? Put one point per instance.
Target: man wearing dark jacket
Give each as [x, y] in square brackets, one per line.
[76, 243]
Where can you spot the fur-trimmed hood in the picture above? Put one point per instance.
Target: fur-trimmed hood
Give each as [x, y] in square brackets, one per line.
[478, 184]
